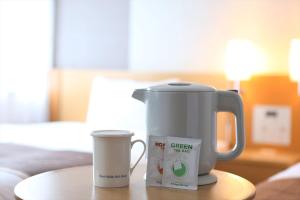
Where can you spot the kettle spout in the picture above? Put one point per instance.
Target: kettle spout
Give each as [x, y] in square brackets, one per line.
[140, 94]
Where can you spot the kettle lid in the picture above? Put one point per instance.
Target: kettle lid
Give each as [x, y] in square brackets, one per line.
[181, 87]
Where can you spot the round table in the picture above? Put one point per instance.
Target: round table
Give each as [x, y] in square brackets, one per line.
[76, 184]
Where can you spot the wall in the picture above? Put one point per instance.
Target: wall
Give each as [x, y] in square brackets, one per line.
[171, 35]
[91, 33]
[192, 34]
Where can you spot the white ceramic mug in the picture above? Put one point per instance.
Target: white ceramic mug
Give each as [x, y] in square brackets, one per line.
[111, 158]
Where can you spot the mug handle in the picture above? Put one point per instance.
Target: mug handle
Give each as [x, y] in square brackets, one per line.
[230, 101]
[138, 160]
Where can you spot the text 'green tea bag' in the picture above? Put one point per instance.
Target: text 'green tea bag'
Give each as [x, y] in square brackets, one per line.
[181, 163]
[155, 159]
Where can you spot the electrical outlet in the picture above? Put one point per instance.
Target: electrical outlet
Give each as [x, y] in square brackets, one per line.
[271, 124]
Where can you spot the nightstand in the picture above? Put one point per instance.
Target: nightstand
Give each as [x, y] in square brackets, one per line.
[259, 164]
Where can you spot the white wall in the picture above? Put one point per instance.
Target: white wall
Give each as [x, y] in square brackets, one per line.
[192, 34]
[92, 34]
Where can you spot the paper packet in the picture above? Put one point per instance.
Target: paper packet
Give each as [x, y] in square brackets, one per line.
[181, 163]
[155, 160]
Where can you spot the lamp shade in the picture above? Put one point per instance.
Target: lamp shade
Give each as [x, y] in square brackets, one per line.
[294, 60]
[242, 59]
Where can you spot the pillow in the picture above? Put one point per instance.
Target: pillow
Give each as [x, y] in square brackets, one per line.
[112, 107]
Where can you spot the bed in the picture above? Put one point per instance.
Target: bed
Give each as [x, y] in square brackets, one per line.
[80, 101]
[30, 149]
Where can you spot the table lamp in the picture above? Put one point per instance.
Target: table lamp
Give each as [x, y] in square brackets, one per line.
[242, 58]
[294, 62]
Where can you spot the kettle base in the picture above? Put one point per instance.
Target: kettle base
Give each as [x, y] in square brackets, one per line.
[207, 179]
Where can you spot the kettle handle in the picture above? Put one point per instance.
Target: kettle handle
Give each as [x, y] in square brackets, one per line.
[230, 101]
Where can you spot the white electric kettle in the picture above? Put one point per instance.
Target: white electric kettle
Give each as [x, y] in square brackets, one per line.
[189, 110]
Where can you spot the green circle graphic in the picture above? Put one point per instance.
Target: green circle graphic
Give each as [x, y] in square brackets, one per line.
[179, 172]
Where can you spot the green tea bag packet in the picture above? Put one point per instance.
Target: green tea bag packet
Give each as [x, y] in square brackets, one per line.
[181, 163]
[155, 159]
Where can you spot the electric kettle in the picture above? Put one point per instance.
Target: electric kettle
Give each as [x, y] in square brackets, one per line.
[189, 110]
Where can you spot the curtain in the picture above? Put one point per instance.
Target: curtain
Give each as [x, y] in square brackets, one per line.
[26, 38]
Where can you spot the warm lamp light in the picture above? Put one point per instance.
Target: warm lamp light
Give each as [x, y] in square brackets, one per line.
[294, 62]
[242, 59]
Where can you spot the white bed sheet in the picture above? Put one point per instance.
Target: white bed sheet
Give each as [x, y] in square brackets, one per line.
[72, 136]
[291, 172]
[51, 135]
